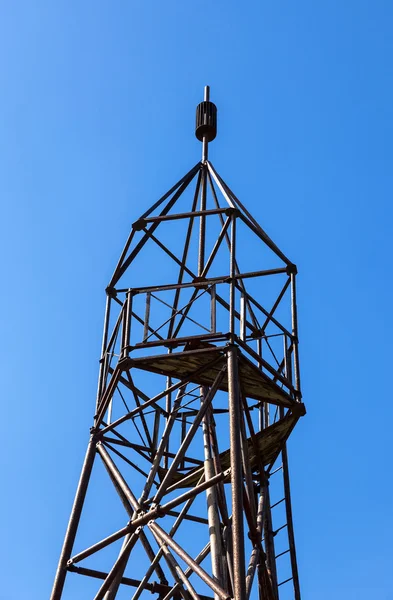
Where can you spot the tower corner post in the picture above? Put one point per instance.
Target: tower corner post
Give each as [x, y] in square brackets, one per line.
[236, 475]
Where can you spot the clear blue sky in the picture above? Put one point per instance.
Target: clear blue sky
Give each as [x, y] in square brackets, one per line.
[96, 120]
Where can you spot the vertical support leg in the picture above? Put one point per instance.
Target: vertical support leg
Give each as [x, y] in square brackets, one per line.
[74, 521]
[295, 336]
[239, 583]
[291, 536]
[211, 497]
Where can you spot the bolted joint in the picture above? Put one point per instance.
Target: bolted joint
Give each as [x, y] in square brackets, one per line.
[291, 269]
[254, 538]
[159, 512]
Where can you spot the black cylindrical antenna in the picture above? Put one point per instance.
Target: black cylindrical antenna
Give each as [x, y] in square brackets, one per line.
[206, 122]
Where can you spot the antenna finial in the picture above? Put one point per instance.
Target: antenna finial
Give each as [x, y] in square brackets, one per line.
[206, 122]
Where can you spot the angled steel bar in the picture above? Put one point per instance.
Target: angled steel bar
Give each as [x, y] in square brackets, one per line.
[216, 247]
[178, 188]
[168, 252]
[190, 434]
[107, 396]
[110, 539]
[157, 557]
[134, 390]
[120, 455]
[246, 216]
[237, 270]
[184, 256]
[201, 556]
[275, 305]
[123, 268]
[265, 312]
[126, 493]
[176, 570]
[74, 521]
[118, 566]
[101, 374]
[154, 527]
[154, 400]
[162, 445]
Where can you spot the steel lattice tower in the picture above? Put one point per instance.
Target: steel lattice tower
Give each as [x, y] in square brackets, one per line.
[198, 391]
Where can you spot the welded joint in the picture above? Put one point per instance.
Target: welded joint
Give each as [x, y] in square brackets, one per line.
[232, 211]
[139, 225]
[111, 291]
[298, 409]
[291, 269]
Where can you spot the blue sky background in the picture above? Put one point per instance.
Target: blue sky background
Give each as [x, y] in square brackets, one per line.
[96, 120]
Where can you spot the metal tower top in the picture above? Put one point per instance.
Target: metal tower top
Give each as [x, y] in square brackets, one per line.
[198, 392]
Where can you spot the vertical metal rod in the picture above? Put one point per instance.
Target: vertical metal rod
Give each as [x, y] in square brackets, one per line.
[183, 435]
[236, 476]
[103, 348]
[243, 317]
[232, 297]
[213, 309]
[147, 317]
[211, 498]
[126, 326]
[74, 521]
[156, 429]
[295, 334]
[202, 224]
[168, 408]
[184, 257]
[205, 143]
[202, 220]
[288, 509]
[269, 544]
[259, 351]
[287, 491]
[264, 421]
